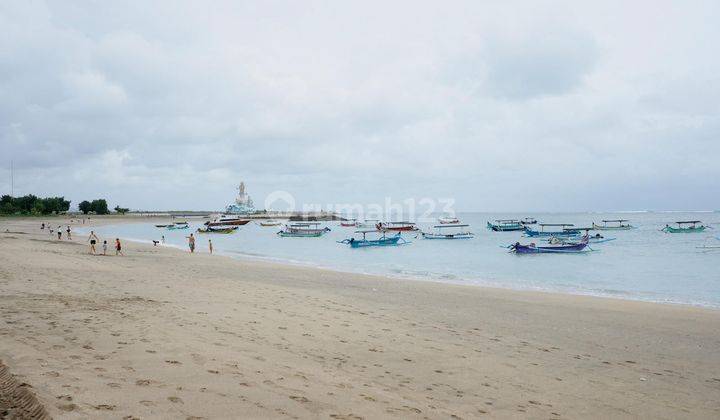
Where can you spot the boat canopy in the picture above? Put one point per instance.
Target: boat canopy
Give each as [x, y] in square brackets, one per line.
[400, 223]
[449, 226]
[615, 221]
[556, 224]
[305, 224]
[689, 222]
[507, 221]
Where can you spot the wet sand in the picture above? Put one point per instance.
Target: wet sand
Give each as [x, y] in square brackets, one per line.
[161, 333]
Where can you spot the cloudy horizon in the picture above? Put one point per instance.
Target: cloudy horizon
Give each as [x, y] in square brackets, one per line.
[512, 106]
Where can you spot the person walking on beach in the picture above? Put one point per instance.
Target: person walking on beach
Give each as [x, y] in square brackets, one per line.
[118, 247]
[104, 247]
[210, 245]
[191, 243]
[68, 234]
[162, 239]
[93, 240]
[59, 231]
[42, 227]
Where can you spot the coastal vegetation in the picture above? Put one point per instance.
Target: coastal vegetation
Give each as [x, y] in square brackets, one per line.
[98, 206]
[33, 205]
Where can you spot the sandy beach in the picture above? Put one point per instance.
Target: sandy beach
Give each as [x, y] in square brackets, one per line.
[161, 333]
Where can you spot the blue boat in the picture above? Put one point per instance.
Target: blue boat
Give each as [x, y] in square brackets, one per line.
[383, 240]
[505, 225]
[567, 230]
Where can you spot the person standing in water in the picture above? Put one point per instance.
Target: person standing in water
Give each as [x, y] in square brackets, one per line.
[68, 233]
[210, 245]
[104, 248]
[118, 247]
[162, 239]
[59, 231]
[93, 240]
[191, 243]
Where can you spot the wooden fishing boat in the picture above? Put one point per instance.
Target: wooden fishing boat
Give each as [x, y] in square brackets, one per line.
[564, 248]
[441, 233]
[448, 220]
[303, 230]
[226, 230]
[383, 240]
[690, 226]
[529, 221]
[618, 224]
[348, 223]
[227, 220]
[567, 230]
[505, 225]
[270, 222]
[178, 226]
[397, 226]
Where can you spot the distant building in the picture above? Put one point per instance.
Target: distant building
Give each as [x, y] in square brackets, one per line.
[243, 203]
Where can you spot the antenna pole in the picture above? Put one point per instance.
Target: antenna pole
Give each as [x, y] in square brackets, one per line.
[12, 179]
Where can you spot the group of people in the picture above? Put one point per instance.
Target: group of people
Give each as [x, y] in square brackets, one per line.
[93, 239]
[59, 231]
[191, 244]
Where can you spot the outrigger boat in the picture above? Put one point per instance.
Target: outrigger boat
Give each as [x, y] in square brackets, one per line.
[564, 248]
[685, 227]
[163, 226]
[440, 233]
[448, 220]
[227, 220]
[383, 240]
[367, 224]
[270, 222]
[303, 230]
[505, 225]
[348, 223]
[567, 230]
[226, 230]
[397, 226]
[613, 225]
[592, 239]
[178, 225]
[528, 221]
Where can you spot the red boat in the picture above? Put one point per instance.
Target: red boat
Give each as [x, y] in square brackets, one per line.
[397, 226]
[226, 220]
[348, 223]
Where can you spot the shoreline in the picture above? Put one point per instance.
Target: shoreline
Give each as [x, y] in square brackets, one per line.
[161, 333]
[239, 256]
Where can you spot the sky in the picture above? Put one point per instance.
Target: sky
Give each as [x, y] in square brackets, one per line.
[499, 106]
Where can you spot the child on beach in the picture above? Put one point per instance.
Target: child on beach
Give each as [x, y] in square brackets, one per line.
[93, 240]
[118, 247]
[191, 243]
[59, 231]
[210, 245]
[104, 247]
[68, 233]
[42, 226]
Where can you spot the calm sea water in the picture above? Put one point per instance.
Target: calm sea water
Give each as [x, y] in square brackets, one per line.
[641, 264]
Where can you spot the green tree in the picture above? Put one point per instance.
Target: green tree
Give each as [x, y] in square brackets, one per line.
[85, 207]
[99, 206]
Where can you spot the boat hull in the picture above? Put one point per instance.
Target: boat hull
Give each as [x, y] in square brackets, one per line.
[218, 230]
[565, 233]
[669, 229]
[375, 242]
[301, 234]
[562, 249]
[505, 228]
[228, 223]
[598, 227]
[448, 236]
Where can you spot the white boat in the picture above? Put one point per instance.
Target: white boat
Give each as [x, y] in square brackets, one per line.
[227, 220]
[270, 222]
[368, 224]
[448, 220]
[454, 231]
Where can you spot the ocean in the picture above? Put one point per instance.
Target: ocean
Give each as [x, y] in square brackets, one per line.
[641, 264]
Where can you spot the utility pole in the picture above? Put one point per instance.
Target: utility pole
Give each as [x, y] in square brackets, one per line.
[12, 179]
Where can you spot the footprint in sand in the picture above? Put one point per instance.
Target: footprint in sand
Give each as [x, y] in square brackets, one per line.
[176, 400]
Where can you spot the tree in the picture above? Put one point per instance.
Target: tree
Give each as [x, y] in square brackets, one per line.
[121, 210]
[99, 206]
[85, 207]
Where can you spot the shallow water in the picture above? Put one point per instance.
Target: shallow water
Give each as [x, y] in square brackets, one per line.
[642, 264]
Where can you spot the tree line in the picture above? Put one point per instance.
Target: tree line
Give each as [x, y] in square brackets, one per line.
[33, 205]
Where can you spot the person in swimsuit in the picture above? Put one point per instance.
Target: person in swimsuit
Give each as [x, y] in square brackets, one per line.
[191, 243]
[59, 231]
[93, 240]
[210, 245]
[118, 247]
[104, 247]
[68, 232]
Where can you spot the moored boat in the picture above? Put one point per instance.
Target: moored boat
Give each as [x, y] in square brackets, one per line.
[348, 223]
[690, 226]
[227, 220]
[617, 224]
[455, 231]
[303, 230]
[397, 226]
[178, 225]
[270, 222]
[448, 220]
[529, 221]
[383, 240]
[563, 248]
[505, 225]
[567, 230]
[163, 226]
[209, 229]
[367, 223]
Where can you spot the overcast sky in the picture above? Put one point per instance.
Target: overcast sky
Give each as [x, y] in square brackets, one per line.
[499, 105]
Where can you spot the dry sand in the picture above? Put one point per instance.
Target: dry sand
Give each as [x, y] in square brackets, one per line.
[161, 333]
